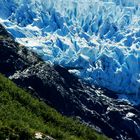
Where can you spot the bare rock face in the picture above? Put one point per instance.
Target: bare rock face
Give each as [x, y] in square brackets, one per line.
[68, 94]
[14, 57]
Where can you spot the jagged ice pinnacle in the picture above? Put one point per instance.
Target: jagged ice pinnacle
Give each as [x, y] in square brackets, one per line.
[99, 40]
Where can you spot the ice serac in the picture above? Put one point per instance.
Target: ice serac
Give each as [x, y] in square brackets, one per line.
[99, 40]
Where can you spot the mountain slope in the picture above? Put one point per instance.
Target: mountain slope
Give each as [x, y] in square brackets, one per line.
[68, 94]
[22, 116]
[98, 40]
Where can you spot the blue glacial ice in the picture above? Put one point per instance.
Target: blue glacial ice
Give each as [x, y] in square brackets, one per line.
[99, 40]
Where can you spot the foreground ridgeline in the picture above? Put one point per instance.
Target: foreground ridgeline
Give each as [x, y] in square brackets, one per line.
[60, 89]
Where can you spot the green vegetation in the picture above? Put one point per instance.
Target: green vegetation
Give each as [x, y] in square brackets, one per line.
[22, 115]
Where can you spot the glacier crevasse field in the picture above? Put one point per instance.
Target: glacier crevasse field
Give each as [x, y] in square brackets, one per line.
[98, 40]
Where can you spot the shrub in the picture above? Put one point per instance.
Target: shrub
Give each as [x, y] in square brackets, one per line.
[22, 115]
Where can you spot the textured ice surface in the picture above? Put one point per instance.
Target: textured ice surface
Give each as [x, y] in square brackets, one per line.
[98, 40]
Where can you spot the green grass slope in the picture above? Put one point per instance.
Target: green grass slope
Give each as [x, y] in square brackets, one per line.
[21, 116]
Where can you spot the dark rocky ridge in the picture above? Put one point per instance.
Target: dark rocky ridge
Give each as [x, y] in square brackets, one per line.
[68, 94]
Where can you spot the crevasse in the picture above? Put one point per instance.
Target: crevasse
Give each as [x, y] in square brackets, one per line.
[98, 40]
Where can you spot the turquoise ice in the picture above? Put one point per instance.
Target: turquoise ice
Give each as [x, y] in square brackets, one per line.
[99, 40]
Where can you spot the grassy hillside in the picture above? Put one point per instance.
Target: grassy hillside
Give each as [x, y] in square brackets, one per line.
[21, 116]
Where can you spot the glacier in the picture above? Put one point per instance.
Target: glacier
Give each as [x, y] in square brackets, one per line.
[97, 40]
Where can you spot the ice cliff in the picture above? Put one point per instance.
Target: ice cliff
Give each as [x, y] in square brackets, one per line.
[98, 40]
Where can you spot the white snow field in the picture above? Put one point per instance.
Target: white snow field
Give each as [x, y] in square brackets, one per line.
[99, 40]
